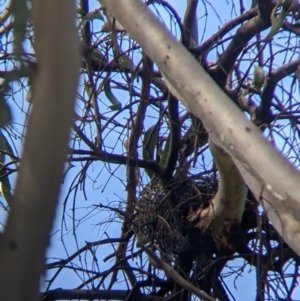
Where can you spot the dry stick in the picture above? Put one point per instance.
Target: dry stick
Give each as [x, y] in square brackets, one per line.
[160, 264]
[135, 134]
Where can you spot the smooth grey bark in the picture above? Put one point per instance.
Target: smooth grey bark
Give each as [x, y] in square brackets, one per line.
[268, 174]
[227, 206]
[33, 206]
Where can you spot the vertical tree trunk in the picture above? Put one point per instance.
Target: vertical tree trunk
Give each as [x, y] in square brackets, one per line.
[26, 235]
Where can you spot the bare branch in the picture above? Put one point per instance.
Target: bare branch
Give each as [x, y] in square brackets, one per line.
[96, 294]
[160, 264]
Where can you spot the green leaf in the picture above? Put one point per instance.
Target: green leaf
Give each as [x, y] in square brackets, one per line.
[5, 145]
[5, 187]
[84, 18]
[297, 74]
[98, 55]
[150, 141]
[149, 145]
[276, 22]
[88, 89]
[81, 12]
[142, 239]
[164, 157]
[116, 107]
[21, 16]
[5, 113]
[29, 95]
[126, 62]
[116, 104]
[2, 147]
[259, 77]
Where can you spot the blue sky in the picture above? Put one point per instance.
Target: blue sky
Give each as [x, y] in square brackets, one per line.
[90, 220]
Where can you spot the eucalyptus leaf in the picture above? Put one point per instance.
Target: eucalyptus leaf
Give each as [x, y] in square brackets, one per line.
[5, 146]
[116, 104]
[142, 239]
[259, 77]
[29, 95]
[98, 55]
[116, 107]
[5, 113]
[93, 15]
[297, 74]
[5, 187]
[276, 22]
[21, 16]
[2, 147]
[149, 145]
[164, 157]
[126, 62]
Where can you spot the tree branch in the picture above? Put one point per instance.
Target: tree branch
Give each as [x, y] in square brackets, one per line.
[190, 37]
[160, 264]
[227, 27]
[227, 206]
[244, 34]
[92, 295]
[262, 113]
[34, 203]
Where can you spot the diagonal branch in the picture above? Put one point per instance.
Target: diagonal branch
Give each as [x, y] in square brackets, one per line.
[243, 35]
[227, 27]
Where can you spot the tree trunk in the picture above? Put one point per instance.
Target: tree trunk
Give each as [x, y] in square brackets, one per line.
[26, 237]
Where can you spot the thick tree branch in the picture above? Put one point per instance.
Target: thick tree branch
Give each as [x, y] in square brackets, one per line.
[244, 34]
[33, 206]
[227, 206]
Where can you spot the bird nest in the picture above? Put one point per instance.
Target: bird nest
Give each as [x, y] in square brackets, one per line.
[162, 209]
